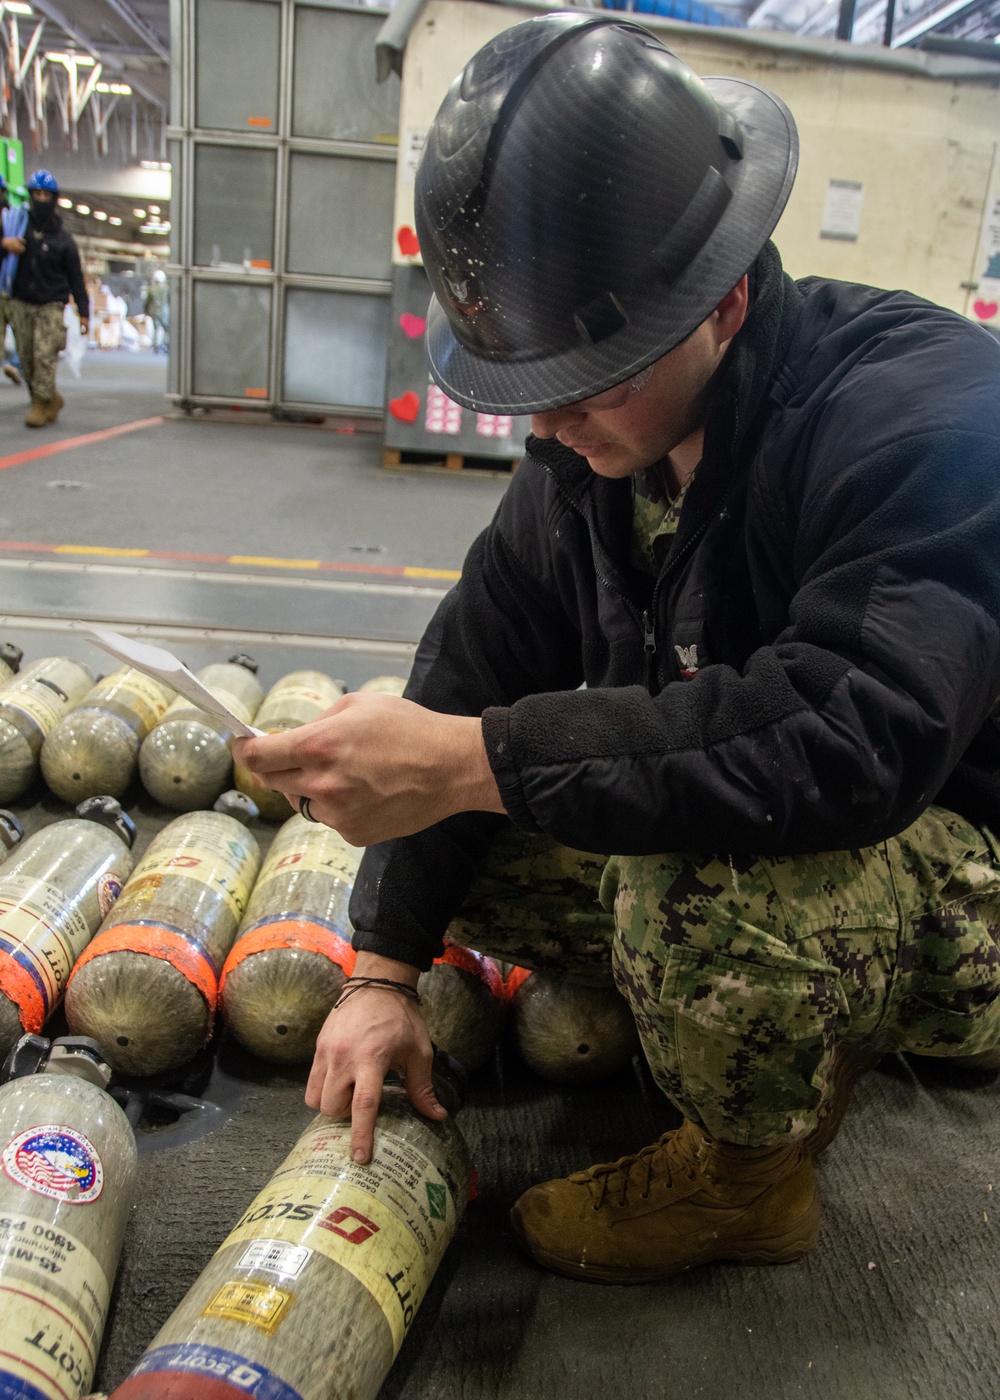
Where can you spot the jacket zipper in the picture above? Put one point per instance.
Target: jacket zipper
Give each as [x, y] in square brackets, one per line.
[645, 620]
[649, 618]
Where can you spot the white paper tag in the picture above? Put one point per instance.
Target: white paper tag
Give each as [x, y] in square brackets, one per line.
[164, 666]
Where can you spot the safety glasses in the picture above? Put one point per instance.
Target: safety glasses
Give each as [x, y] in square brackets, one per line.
[617, 396]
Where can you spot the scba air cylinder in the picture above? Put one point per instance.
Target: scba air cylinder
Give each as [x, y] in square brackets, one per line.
[94, 750]
[31, 705]
[67, 1179]
[297, 699]
[315, 1288]
[147, 987]
[185, 761]
[54, 891]
[287, 967]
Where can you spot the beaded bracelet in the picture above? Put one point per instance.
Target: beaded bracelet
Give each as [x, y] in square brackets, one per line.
[357, 984]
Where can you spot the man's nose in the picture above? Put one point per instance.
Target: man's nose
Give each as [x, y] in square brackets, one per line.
[547, 424]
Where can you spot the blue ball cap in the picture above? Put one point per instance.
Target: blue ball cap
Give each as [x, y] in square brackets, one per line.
[44, 180]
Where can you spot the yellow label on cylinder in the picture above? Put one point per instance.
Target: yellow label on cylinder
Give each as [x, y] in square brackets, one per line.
[228, 878]
[42, 704]
[149, 699]
[297, 699]
[302, 845]
[53, 1301]
[387, 1223]
[206, 852]
[43, 931]
[260, 1304]
[232, 702]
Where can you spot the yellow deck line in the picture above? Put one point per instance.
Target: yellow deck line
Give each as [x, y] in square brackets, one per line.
[411, 571]
[99, 549]
[265, 561]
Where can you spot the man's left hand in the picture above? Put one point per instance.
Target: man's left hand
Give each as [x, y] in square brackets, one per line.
[375, 767]
[84, 327]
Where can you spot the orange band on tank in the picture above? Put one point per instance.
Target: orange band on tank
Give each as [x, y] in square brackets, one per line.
[515, 977]
[477, 963]
[18, 986]
[291, 933]
[156, 942]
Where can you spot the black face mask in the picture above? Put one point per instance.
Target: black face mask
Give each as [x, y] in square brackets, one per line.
[41, 215]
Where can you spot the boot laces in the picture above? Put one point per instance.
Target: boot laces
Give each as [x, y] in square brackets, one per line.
[665, 1161]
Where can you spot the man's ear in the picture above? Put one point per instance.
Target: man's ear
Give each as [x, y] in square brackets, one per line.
[731, 311]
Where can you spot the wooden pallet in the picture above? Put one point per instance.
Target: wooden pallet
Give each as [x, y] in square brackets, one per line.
[399, 459]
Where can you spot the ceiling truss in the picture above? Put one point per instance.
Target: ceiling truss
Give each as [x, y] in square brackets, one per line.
[83, 61]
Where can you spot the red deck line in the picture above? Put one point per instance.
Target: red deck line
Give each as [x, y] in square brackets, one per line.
[46, 449]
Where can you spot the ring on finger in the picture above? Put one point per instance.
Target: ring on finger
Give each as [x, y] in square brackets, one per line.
[305, 810]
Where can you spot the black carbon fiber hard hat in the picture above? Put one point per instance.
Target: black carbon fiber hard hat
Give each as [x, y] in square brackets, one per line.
[583, 202]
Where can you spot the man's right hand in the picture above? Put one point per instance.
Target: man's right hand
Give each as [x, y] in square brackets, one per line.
[375, 1030]
[13, 245]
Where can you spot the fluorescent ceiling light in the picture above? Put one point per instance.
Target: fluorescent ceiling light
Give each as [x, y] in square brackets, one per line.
[115, 220]
[65, 203]
[82, 60]
[154, 165]
[154, 208]
[100, 214]
[139, 213]
[83, 208]
[119, 89]
[17, 7]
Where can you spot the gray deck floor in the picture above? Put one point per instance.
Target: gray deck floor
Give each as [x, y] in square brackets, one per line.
[900, 1300]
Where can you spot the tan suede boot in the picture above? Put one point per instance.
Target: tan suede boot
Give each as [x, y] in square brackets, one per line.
[12, 373]
[53, 407]
[37, 415]
[684, 1201]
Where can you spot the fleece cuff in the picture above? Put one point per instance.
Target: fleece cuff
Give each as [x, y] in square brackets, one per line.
[496, 737]
[388, 945]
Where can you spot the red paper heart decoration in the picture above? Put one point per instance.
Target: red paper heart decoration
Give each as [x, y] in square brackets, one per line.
[407, 240]
[413, 326]
[986, 310]
[405, 408]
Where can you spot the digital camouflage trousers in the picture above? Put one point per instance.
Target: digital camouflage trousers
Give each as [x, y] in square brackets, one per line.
[6, 319]
[744, 973]
[40, 335]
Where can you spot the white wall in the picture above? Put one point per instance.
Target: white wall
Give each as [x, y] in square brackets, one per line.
[924, 148]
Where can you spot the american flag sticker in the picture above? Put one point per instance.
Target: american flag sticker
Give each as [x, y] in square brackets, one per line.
[57, 1162]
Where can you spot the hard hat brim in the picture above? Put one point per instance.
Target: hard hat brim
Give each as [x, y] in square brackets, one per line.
[761, 183]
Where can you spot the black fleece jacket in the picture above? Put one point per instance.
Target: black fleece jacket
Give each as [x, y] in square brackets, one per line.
[49, 268]
[822, 644]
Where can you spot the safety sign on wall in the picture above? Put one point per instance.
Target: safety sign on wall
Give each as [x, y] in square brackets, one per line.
[842, 210]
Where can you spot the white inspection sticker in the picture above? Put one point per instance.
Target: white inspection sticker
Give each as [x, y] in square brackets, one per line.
[275, 1257]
